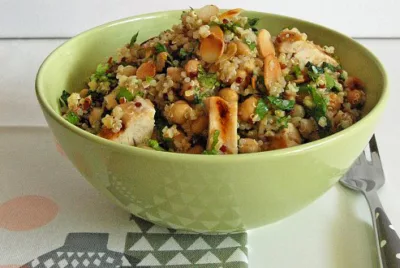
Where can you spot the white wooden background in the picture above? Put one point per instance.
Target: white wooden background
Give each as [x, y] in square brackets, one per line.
[31, 29]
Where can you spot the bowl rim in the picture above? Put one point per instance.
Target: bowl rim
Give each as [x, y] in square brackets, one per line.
[376, 109]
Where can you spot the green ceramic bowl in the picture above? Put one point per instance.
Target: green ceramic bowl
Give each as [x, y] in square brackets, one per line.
[199, 192]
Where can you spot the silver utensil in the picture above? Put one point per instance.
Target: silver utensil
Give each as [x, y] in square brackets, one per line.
[367, 176]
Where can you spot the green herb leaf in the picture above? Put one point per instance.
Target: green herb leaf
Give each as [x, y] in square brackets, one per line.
[260, 85]
[124, 93]
[160, 48]
[63, 100]
[283, 121]
[281, 103]
[101, 73]
[214, 143]
[296, 70]
[330, 81]
[261, 109]
[320, 103]
[289, 77]
[133, 39]
[72, 117]
[149, 79]
[253, 21]
[314, 71]
[183, 53]
[252, 45]
[331, 67]
[154, 144]
[207, 80]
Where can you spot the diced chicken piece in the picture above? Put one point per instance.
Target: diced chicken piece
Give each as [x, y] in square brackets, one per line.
[223, 117]
[304, 51]
[137, 120]
[288, 137]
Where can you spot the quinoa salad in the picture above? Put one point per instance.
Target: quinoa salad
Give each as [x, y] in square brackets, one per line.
[217, 84]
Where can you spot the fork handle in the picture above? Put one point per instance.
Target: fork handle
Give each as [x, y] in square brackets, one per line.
[389, 242]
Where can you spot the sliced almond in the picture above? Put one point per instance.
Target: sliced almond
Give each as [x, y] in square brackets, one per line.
[254, 81]
[242, 48]
[230, 13]
[217, 32]
[230, 52]
[222, 118]
[148, 52]
[272, 71]
[265, 45]
[211, 48]
[288, 36]
[205, 13]
[147, 69]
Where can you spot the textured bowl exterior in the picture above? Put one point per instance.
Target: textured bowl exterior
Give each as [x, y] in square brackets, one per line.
[198, 192]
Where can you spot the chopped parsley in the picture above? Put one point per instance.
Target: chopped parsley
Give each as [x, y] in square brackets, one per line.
[289, 77]
[63, 100]
[331, 67]
[154, 144]
[133, 39]
[251, 23]
[230, 26]
[101, 73]
[214, 143]
[261, 109]
[199, 96]
[283, 121]
[124, 93]
[314, 71]
[72, 117]
[296, 70]
[252, 45]
[160, 48]
[330, 81]
[183, 53]
[281, 104]
[260, 85]
[320, 107]
[207, 80]
[149, 79]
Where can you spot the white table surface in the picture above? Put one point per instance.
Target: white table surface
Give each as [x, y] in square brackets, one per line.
[333, 232]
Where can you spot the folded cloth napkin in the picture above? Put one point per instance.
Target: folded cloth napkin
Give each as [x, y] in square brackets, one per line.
[148, 245]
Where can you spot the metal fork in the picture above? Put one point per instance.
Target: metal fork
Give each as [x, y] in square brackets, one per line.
[367, 176]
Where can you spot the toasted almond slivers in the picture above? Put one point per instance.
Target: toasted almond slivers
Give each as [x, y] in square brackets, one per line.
[147, 69]
[211, 48]
[230, 13]
[217, 32]
[265, 45]
[253, 81]
[230, 52]
[242, 48]
[148, 52]
[272, 71]
[206, 12]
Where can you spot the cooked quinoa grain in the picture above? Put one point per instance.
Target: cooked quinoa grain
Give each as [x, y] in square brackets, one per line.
[216, 84]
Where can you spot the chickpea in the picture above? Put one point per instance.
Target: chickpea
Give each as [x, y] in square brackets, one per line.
[192, 67]
[186, 87]
[174, 73]
[178, 112]
[247, 108]
[228, 94]
[242, 79]
[306, 127]
[242, 49]
[197, 149]
[199, 125]
[298, 111]
[248, 146]
[355, 97]
[129, 70]
[84, 92]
